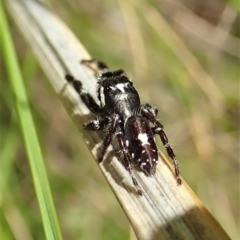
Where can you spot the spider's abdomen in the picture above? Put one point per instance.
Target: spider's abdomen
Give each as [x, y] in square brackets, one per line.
[141, 144]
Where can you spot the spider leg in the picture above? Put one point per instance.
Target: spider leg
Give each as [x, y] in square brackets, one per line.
[86, 97]
[108, 138]
[95, 124]
[148, 112]
[101, 66]
[127, 160]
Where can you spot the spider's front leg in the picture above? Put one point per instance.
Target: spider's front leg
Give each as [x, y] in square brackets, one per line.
[101, 66]
[86, 97]
[150, 113]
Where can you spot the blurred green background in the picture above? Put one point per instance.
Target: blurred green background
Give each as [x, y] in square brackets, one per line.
[183, 57]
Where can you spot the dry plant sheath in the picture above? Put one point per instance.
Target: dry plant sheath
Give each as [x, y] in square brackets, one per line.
[165, 210]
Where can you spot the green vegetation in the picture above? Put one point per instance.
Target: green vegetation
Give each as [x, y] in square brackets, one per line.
[31, 144]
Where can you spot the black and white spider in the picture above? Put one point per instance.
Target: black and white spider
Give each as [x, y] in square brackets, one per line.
[132, 124]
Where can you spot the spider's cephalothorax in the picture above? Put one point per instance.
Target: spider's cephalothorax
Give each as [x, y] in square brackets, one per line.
[116, 93]
[125, 119]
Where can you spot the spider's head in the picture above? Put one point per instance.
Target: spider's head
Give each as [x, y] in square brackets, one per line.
[113, 87]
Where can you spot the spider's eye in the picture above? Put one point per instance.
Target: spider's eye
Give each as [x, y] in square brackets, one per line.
[129, 85]
[111, 89]
[108, 89]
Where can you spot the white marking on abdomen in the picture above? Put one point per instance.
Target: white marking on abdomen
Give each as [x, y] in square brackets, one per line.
[143, 137]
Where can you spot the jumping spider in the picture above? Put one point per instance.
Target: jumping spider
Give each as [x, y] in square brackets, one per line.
[128, 121]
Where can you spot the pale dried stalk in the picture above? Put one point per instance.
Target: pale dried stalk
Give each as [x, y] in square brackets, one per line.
[165, 211]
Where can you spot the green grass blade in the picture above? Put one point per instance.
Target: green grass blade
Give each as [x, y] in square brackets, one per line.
[49, 218]
[236, 4]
